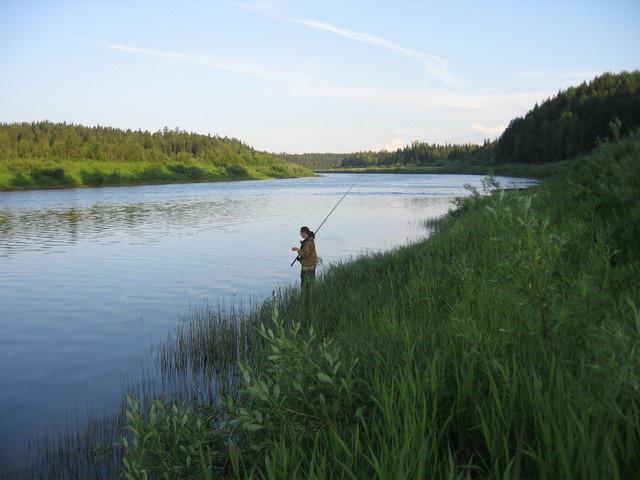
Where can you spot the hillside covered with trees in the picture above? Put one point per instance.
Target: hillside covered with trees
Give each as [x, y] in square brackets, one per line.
[572, 122]
[46, 154]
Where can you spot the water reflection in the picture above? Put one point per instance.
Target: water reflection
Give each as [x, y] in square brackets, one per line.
[90, 278]
[49, 228]
[29, 221]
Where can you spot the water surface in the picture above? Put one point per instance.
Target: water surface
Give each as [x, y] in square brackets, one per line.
[90, 279]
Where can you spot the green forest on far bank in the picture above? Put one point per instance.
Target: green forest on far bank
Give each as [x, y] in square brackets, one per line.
[314, 161]
[47, 155]
[572, 122]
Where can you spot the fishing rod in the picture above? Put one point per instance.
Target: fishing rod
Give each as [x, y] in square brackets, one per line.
[332, 210]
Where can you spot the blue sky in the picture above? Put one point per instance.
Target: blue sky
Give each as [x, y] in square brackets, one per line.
[306, 76]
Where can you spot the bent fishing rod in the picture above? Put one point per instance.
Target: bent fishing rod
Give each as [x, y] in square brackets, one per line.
[332, 210]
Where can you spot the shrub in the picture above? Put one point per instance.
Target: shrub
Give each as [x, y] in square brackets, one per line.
[187, 171]
[304, 386]
[50, 176]
[22, 181]
[237, 171]
[97, 177]
[170, 441]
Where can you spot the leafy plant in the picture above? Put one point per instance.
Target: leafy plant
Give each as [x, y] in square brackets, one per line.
[170, 441]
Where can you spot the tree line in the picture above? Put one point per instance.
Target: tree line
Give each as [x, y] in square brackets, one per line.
[573, 121]
[315, 161]
[48, 140]
[418, 154]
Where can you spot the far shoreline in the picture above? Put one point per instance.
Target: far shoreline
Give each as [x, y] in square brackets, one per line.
[144, 184]
[393, 170]
[521, 170]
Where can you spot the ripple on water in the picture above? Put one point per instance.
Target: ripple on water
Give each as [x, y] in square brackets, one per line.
[91, 278]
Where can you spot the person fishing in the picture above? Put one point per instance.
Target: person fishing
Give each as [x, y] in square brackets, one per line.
[306, 256]
[307, 250]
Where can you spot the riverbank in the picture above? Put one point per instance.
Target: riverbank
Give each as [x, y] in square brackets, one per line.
[58, 155]
[34, 174]
[506, 344]
[537, 171]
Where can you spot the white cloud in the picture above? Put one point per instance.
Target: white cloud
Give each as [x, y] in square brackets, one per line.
[299, 83]
[488, 131]
[434, 65]
[399, 140]
[421, 98]
[228, 64]
[437, 113]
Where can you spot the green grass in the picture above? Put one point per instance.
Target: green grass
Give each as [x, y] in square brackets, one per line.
[507, 345]
[20, 174]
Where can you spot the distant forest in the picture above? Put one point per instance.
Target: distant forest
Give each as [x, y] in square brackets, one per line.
[43, 140]
[418, 153]
[314, 161]
[46, 154]
[572, 122]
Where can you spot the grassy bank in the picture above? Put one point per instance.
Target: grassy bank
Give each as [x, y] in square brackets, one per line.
[56, 155]
[507, 345]
[53, 173]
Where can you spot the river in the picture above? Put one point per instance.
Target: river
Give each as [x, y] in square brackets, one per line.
[91, 279]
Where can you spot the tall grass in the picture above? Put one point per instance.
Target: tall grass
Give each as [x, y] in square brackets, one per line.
[507, 345]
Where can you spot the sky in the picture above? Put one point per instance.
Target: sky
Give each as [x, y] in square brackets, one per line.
[296, 76]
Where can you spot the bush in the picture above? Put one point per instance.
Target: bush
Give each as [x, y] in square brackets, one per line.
[191, 172]
[20, 180]
[153, 174]
[50, 176]
[304, 386]
[237, 171]
[170, 441]
[96, 177]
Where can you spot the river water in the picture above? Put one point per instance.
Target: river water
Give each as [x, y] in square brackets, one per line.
[91, 279]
